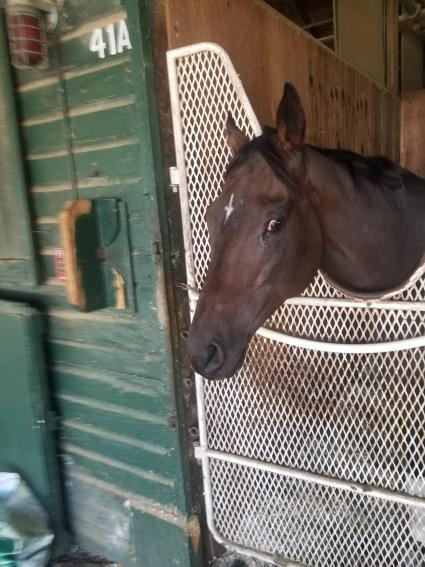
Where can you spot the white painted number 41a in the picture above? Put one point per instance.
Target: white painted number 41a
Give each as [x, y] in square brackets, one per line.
[117, 39]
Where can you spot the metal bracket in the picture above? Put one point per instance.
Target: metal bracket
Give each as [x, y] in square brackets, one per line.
[98, 269]
[114, 244]
[198, 451]
[175, 178]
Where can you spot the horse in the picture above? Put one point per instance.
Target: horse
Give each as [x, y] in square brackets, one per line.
[288, 209]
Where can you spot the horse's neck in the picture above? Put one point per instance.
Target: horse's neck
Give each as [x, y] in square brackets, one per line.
[371, 241]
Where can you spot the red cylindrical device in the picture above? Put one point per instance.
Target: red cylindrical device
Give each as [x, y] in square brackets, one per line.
[27, 36]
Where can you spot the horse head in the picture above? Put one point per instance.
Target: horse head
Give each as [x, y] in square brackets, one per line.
[265, 240]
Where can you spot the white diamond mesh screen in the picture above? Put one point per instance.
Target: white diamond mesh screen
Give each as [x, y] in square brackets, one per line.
[313, 524]
[359, 418]
[354, 417]
[207, 95]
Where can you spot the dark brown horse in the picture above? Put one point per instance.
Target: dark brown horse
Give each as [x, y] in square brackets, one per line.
[288, 209]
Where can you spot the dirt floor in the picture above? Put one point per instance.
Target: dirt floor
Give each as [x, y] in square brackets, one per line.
[80, 558]
[234, 560]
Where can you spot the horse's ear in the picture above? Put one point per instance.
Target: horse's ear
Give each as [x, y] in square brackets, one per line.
[290, 119]
[235, 138]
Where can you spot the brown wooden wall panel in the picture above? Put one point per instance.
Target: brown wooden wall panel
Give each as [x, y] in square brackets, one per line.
[412, 154]
[344, 108]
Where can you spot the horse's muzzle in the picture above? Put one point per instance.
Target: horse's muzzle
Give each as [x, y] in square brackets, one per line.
[207, 357]
[213, 358]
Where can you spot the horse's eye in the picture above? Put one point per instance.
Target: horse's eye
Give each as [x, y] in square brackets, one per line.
[274, 225]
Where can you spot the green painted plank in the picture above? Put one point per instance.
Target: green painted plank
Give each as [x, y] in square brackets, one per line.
[146, 244]
[101, 520]
[106, 83]
[119, 423]
[104, 125]
[45, 296]
[163, 465]
[25, 76]
[47, 267]
[48, 170]
[145, 277]
[113, 390]
[125, 479]
[174, 549]
[117, 188]
[109, 329]
[13, 271]
[79, 430]
[78, 12]
[44, 137]
[50, 204]
[123, 160]
[75, 51]
[46, 235]
[149, 364]
[39, 102]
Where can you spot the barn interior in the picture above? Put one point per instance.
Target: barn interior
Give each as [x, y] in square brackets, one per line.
[111, 149]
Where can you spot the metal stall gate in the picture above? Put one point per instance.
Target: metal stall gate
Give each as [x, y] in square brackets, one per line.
[314, 453]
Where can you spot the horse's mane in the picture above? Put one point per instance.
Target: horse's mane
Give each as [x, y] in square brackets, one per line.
[377, 169]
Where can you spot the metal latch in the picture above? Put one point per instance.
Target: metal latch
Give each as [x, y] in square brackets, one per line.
[175, 178]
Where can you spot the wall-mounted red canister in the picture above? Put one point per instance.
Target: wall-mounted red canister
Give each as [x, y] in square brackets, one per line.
[26, 24]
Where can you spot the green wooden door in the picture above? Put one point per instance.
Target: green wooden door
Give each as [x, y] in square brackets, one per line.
[27, 425]
[88, 129]
[26, 420]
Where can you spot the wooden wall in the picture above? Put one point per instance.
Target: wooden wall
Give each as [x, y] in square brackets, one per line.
[412, 143]
[343, 107]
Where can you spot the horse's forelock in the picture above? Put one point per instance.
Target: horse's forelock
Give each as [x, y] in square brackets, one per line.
[265, 144]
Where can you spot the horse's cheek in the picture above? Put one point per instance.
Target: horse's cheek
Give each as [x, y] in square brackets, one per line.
[308, 249]
[313, 247]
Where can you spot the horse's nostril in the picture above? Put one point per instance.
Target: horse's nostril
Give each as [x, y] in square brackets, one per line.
[212, 349]
[215, 358]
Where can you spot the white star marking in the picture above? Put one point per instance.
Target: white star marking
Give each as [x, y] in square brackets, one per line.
[229, 209]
